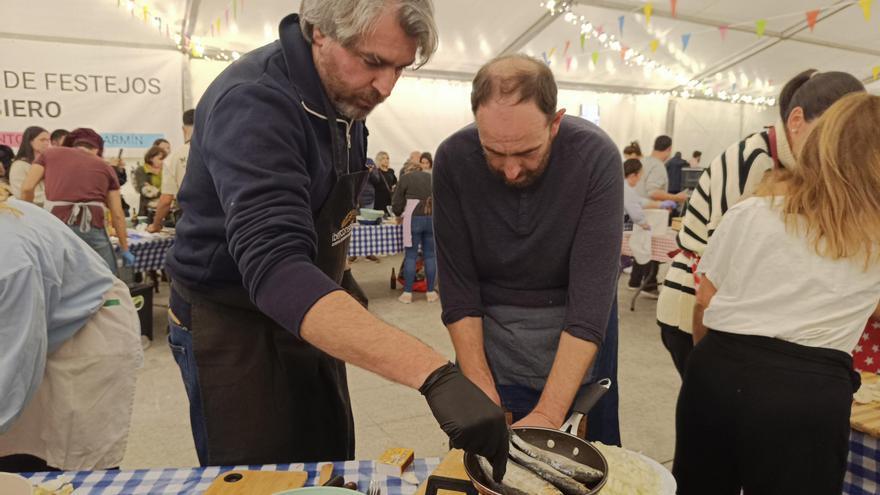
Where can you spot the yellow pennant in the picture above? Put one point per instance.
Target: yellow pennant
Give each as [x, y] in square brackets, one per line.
[876, 72]
[596, 59]
[654, 45]
[146, 13]
[760, 27]
[552, 51]
[649, 9]
[866, 8]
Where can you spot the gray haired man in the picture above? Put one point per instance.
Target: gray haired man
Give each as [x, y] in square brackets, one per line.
[260, 326]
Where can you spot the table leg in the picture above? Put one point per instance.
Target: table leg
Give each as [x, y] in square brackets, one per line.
[653, 270]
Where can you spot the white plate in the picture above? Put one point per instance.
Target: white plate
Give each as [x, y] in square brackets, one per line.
[667, 481]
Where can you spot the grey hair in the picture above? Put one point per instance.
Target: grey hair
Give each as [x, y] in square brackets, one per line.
[347, 21]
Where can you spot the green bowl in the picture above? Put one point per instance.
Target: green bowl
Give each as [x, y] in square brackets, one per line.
[317, 490]
[369, 214]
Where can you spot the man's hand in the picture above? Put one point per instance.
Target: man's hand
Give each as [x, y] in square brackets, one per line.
[539, 419]
[471, 420]
[153, 228]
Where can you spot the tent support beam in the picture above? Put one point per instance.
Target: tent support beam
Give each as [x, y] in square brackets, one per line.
[529, 34]
[663, 13]
[190, 18]
[87, 41]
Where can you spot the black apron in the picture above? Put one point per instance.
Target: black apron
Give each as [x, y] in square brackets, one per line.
[268, 397]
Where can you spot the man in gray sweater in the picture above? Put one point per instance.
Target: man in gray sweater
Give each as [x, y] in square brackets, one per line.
[528, 214]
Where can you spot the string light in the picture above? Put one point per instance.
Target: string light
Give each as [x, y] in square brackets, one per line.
[635, 58]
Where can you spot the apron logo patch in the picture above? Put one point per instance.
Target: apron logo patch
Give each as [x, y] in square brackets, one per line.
[344, 232]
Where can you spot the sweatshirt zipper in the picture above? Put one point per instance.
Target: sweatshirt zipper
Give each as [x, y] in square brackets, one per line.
[347, 134]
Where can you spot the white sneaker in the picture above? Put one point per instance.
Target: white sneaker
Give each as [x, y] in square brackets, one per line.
[432, 296]
[628, 270]
[405, 298]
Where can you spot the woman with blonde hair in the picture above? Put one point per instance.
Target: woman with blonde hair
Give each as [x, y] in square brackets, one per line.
[786, 285]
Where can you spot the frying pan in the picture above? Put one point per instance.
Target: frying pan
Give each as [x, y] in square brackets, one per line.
[559, 442]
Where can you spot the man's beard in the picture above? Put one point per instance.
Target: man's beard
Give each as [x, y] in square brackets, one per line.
[356, 106]
[528, 178]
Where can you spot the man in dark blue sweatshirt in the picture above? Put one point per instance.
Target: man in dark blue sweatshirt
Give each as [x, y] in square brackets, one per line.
[259, 325]
[528, 219]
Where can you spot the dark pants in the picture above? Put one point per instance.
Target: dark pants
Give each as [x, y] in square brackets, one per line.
[763, 415]
[602, 420]
[257, 394]
[679, 344]
[646, 273]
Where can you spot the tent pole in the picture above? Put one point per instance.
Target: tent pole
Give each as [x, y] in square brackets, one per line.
[87, 41]
[529, 34]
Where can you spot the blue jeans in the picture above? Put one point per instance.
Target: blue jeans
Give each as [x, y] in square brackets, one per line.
[99, 241]
[422, 235]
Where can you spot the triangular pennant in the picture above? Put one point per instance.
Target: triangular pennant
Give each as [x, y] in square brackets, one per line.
[600, 29]
[866, 8]
[812, 18]
[596, 59]
[649, 9]
[876, 72]
[146, 13]
[620, 21]
[654, 45]
[723, 30]
[565, 50]
[567, 64]
[218, 26]
[227, 17]
[583, 40]
[212, 29]
[235, 9]
[760, 26]
[552, 51]
[544, 56]
[673, 5]
[685, 40]
[623, 51]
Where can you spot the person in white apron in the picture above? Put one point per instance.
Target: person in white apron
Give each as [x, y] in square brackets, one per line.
[70, 351]
[79, 184]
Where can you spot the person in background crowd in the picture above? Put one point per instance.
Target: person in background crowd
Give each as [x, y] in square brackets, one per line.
[79, 184]
[632, 150]
[787, 282]
[410, 167]
[164, 144]
[384, 182]
[412, 201]
[734, 174]
[57, 137]
[633, 204]
[260, 252]
[695, 159]
[653, 186]
[529, 219]
[71, 348]
[173, 172]
[148, 181]
[426, 161]
[6, 158]
[34, 141]
[673, 171]
[415, 157]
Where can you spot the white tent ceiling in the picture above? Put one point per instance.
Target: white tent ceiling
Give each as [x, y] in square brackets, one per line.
[471, 32]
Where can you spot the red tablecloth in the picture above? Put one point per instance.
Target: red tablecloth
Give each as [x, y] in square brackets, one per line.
[866, 355]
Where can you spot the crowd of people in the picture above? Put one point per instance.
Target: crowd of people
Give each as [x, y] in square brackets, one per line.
[520, 219]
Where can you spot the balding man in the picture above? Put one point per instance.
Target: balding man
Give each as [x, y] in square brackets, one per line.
[528, 212]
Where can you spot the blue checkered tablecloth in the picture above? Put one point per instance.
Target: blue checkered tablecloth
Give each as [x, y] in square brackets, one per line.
[193, 481]
[149, 250]
[863, 466]
[369, 240]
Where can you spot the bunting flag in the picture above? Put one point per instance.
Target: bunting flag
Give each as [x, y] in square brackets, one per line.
[723, 30]
[544, 56]
[866, 8]
[227, 17]
[583, 40]
[876, 72]
[235, 9]
[649, 9]
[623, 51]
[565, 50]
[212, 29]
[567, 63]
[654, 45]
[685, 40]
[552, 51]
[596, 59]
[812, 18]
[146, 13]
[218, 26]
[760, 26]
[620, 21]
[673, 5]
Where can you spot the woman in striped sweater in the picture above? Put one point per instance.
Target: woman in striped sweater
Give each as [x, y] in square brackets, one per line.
[733, 174]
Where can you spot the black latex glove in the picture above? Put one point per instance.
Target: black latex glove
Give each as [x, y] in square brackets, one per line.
[470, 418]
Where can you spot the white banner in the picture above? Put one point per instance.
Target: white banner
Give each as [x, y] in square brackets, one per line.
[130, 96]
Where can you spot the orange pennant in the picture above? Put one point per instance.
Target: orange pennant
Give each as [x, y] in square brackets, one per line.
[812, 18]
[673, 5]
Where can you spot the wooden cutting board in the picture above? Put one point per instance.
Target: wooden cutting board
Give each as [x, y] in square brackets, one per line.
[452, 466]
[257, 482]
[866, 417]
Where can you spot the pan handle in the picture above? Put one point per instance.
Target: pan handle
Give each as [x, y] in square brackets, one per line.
[594, 392]
[436, 483]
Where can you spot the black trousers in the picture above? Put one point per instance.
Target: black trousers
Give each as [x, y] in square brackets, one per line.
[678, 343]
[763, 415]
[647, 272]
